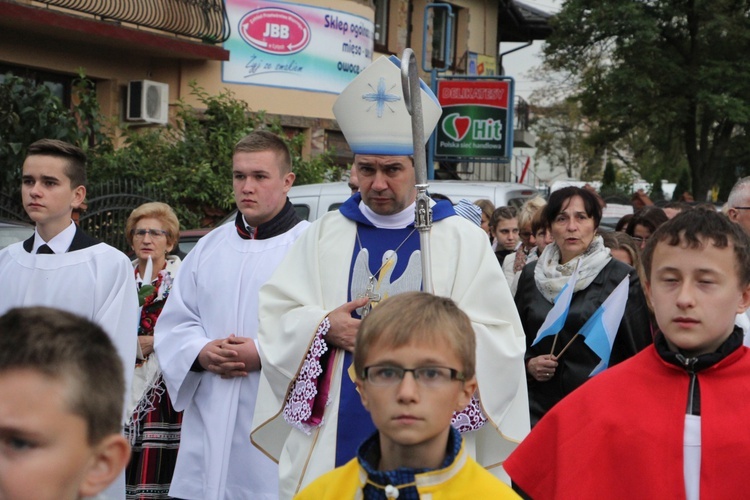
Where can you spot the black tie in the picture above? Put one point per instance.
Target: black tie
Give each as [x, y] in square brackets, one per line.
[44, 249]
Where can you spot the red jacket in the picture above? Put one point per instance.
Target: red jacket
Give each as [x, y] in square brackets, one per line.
[621, 434]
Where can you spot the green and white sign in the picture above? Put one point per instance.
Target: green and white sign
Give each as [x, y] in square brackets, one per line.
[476, 119]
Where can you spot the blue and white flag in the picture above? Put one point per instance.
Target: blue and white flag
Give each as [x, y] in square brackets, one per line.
[556, 316]
[601, 328]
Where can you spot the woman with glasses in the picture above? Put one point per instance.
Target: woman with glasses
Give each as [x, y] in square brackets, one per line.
[644, 223]
[563, 360]
[152, 231]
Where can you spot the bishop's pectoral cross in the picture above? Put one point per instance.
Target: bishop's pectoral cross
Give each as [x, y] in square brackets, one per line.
[370, 294]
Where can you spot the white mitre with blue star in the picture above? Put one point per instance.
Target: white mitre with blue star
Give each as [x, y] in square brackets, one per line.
[372, 114]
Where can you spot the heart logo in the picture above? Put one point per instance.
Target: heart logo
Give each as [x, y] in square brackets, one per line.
[456, 126]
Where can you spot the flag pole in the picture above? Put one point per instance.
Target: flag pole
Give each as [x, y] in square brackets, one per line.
[423, 212]
[554, 343]
[566, 346]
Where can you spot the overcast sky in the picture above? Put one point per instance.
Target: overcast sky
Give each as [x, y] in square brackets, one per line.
[519, 63]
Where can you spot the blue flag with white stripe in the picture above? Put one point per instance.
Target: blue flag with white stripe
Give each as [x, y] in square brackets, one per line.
[556, 316]
[601, 328]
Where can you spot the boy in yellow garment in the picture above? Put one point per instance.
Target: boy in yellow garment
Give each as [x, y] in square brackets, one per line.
[414, 363]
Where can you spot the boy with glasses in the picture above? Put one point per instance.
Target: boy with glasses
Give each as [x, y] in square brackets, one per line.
[414, 362]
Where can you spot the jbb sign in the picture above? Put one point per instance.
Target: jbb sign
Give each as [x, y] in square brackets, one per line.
[275, 31]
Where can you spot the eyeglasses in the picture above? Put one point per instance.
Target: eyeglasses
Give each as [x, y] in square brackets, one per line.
[741, 208]
[525, 234]
[640, 240]
[154, 233]
[425, 376]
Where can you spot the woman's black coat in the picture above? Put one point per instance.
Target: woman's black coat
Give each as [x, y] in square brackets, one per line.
[578, 361]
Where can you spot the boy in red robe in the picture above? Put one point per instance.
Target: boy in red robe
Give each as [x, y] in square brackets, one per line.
[671, 421]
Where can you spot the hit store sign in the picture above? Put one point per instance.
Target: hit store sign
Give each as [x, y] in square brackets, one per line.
[475, 118]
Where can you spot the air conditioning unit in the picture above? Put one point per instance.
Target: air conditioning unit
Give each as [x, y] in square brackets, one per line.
[148, 102]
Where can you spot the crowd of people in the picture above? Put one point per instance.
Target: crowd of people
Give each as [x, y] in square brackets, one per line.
[281, 359]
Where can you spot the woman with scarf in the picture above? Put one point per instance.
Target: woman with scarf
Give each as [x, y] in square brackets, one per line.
[572, 215]
[152, 231]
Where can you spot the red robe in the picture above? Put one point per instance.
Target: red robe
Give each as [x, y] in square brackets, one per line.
[621, 434]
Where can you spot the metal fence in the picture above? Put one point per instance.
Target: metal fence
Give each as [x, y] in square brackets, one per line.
[11, 206]
[108, 206]
[205, 20]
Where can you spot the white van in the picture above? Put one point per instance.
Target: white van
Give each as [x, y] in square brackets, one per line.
[311, 201]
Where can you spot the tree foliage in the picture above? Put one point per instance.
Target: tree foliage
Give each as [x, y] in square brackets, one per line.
[561, 132]
[29, 112]
[190, 161]
[670, 72]
[657, 191]
[609, 180]
[616, 182]
[683, 185]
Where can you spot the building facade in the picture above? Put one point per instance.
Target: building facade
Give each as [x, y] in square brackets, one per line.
[167, 44]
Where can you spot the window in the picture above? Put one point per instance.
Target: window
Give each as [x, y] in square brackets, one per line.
[59, 85]
[441, 41]
[381, 25]
[337, 146]
[439, 35]
[303, 211]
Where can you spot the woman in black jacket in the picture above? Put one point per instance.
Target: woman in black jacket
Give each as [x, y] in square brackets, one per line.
[573, 215]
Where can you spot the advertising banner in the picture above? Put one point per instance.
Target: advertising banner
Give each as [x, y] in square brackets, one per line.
[476, 119]
[481, 65]
[295, 46]
[486, 65]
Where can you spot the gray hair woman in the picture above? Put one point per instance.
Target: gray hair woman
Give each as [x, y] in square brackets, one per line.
[152, 231]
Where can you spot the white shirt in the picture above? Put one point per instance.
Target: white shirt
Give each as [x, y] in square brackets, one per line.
[58, 244]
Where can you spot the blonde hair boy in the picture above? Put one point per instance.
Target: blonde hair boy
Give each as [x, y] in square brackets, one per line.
[414, 361]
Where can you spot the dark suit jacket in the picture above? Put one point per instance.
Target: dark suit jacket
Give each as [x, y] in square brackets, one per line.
[81, 240]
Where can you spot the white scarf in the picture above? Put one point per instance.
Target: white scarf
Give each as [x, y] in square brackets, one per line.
[550, 276]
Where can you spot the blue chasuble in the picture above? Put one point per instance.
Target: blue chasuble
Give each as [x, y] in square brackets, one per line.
[399, 273]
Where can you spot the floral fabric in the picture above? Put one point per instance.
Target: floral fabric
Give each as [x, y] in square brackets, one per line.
[300, 410]
[155, 424]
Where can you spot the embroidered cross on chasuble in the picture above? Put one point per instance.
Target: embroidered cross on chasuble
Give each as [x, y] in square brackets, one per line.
[382, 279]
[392, 272]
